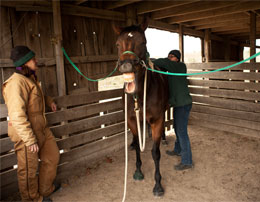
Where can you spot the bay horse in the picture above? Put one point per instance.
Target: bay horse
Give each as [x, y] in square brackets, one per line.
[132, 52]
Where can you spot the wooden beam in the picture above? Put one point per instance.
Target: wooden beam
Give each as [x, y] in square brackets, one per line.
[237, 31]
[245, 27]
[117, 4]
[181, 43]
[58, 51]
[163, 26]
[218, 19]
[191, 8]
[78, 2]
[240, 7]
[252, 35]
[223, 24]
[151, 6]
[76, 11]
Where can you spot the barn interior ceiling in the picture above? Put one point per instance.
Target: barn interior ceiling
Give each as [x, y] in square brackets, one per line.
[232, 20]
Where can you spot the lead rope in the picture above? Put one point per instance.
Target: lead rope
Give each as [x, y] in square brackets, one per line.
[137, 112]
[141, 144]
[126, 151]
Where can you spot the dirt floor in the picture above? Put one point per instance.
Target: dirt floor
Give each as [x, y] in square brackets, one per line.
[227, 168]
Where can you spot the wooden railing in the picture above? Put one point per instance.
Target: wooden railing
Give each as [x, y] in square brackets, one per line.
[87, 127]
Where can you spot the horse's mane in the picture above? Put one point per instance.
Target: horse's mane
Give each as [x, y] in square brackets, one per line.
[132, 29]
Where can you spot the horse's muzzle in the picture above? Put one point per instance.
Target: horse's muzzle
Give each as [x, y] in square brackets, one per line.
[126, 68]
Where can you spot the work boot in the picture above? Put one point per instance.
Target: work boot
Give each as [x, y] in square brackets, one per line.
[172, 153]
[183, 167]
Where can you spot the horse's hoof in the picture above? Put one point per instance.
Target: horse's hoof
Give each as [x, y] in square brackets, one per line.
[158, 190]
[138, 175]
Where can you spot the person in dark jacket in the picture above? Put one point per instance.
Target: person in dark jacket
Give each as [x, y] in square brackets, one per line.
[180, 99]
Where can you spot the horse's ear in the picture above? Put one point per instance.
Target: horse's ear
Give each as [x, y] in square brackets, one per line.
[144, 24]
[116, 29]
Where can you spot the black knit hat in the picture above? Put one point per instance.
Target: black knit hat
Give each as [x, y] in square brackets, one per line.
[20, 55]
[176, 53]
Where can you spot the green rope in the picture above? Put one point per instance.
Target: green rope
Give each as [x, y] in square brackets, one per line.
[81, 72]
[198, 73]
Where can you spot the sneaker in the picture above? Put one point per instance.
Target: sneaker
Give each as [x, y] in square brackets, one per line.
[183, 167]
[46, 199]
[172, 153]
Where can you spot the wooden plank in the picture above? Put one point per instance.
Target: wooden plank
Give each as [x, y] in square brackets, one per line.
[8, 177]
[235, 22]
[191, 9]
[240, 95]
[85, 124]
[218, 19]
[230, 75]
[90, 136]
[3, 110]
[82, 111]
[162, 25]
[6, 145]
[226, 120]
[94, 147]
[240, 7]
[235, 85]
[93, 58]
[117, 4]
[8, 190]
[217, 65]
[32, 32]
[7, 161]
[228, 104]
[73, 100]
[242, 115]
[5, 33]
[92, 12]
[64, 170]
[147, 7]
[3, 126]
[58, 52]
[233, 129]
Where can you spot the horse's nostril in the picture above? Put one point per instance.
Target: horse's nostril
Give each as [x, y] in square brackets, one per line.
[126, 67]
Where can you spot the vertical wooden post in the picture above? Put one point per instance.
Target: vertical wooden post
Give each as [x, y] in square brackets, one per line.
[203, 59]
[252, 35]
[181, 43]
[207, 44]
[227, 49]
[58, 51]
[131, 15]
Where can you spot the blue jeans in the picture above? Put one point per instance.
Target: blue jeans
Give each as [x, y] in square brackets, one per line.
[182, 143]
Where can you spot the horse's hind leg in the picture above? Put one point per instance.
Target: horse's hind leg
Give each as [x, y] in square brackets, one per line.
[157, 129]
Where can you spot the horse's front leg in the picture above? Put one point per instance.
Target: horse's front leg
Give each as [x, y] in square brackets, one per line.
[138, 175]
[157, 129]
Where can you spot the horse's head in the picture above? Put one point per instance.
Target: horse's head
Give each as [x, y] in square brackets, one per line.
[131, 44]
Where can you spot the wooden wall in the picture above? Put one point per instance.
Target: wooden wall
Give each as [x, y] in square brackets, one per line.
[83, 134]
[227, 100]
[89, 42]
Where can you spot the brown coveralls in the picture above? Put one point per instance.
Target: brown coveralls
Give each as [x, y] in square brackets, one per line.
[27, 125]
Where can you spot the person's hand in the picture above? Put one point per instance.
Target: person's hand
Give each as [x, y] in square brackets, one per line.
[34, 148]
[53, 107]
